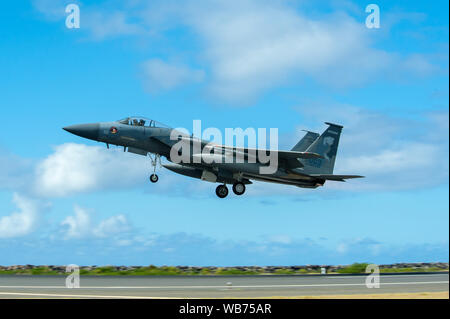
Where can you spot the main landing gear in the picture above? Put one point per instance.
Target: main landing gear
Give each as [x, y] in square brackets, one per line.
[222, 190]
[238, 188]
[155, 160]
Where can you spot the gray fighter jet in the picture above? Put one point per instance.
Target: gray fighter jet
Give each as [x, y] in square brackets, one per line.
[309, 164]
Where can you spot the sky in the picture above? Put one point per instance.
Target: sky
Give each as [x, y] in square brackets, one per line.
[290, 65]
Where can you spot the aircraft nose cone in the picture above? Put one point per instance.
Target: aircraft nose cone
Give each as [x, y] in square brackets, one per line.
[89, 131]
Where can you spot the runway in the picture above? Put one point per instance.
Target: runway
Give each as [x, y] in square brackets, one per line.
[154, 287]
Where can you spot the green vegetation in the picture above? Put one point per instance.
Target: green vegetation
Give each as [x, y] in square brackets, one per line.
[356, 268]
[285, 272]
[43, 271]
[234, 271]
[423, 269]
[34, 271]
[303, 271]
[360, 268]
[295, 272]
[143, 271]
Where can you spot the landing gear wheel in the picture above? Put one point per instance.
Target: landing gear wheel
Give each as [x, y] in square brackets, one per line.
[239, 188]
[222, 191]
[154, 178]
[155, 159]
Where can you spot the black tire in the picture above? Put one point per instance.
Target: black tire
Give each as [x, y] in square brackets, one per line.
[222, 191]
[154, 178]
[239, 188]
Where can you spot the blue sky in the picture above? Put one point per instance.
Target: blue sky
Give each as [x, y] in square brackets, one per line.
[289, 65]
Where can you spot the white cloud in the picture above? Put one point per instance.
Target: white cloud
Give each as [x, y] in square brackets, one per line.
[191, 249]
[22, 222]
[160, 75]
[109, 24]
[52, 10]
[75, 168]
[111, 226]
[392, 153]
[102, 24]
[280, 239]
[417, 65]
[80, 226]
[252, 46]
[413, 156]
[372, 247]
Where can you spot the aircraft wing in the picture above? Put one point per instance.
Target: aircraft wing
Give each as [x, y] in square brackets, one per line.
[338, 178]
[289, 156]
[281, 154]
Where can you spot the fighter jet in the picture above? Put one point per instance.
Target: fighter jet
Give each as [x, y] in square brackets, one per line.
[309, 164]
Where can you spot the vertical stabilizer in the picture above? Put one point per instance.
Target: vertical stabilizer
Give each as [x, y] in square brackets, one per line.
[326, 145]
[305, 142]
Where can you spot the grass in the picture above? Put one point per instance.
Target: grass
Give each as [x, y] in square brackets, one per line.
[360, 268]
[143, 271]
[234, 271]
[34, 271]
[425, 269]
[356, 268]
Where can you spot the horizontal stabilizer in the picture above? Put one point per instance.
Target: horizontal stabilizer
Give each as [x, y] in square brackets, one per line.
[339, 178]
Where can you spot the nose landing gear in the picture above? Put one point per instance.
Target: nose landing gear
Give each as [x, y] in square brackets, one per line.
[154, 178]
[155, 159]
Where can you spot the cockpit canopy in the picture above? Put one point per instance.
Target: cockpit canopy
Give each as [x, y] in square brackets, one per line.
[141, 121]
